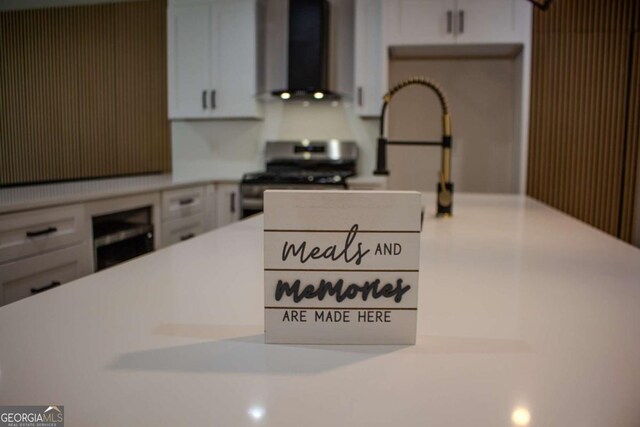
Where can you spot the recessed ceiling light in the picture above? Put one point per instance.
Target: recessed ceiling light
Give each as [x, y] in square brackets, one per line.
[285, 95]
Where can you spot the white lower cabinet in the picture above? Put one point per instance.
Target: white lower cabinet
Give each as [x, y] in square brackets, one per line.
[37, 274]
[190, 211]
[42, 249]
[210, 207]
[227, 204]
[28, 233]
[186, 212]
[182, 202]
[179, 230]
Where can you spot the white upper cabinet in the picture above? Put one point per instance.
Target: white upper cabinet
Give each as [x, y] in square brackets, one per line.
[189, 69]
[236, 54]
[426, 22]
[212, 54]
[486, 21]
[368, 62]
[418, 21]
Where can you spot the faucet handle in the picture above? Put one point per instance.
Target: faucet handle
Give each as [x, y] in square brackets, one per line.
[444, 197]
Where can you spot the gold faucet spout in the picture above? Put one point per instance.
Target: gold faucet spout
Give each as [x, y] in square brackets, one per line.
[445, 186]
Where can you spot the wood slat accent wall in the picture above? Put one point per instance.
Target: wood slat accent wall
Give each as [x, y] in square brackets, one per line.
[83, 92]
[629, 216]
[584, 113]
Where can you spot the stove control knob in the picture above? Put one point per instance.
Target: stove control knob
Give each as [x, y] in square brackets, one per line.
[310, 178]
[336, 178]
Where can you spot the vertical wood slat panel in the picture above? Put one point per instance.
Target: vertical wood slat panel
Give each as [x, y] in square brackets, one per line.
[83, 92]
[583, 149]
[632, 155]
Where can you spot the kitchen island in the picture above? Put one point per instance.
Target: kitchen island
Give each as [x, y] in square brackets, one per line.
[521, 308]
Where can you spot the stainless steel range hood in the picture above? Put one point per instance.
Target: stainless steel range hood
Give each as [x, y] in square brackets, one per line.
[308, 57]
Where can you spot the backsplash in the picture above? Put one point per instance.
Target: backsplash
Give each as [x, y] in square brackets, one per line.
[232, 147]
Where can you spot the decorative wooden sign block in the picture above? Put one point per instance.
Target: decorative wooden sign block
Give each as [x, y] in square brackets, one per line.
[341, 267]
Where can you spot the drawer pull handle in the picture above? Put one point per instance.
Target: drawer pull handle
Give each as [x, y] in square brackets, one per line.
[186, 201]
[187, 237]
[45, 287]
[47, 230]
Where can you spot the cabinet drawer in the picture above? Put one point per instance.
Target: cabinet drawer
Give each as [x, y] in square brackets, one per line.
[31, 232]
[36, 274]
[182, 202]
[182, 229]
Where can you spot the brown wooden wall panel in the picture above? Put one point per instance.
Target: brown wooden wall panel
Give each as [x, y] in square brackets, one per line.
[632, 148]
[584, 113]
[83, 92]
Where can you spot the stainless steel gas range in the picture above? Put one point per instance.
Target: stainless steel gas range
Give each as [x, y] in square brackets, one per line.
[301, 165]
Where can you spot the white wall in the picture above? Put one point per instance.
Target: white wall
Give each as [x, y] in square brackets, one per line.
[482, 99]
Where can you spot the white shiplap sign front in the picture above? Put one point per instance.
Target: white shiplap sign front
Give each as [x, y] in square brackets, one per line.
[341, 267]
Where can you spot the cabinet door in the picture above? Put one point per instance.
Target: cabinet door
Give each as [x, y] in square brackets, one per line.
[227, 204]
[368, 64]
[28, 233]
[234, 58]
[182, 202]
[210, 207]
[181, 229]
[189, 41]
[410, 22]
[33, 275]
[486, 21]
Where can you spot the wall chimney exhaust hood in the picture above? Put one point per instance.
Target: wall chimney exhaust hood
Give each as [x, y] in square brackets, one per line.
[308, 57]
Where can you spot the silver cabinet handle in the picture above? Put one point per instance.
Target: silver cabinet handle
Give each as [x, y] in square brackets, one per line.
[360, 96]
[461, 22]
[213, 99]
[233, 202]
[449, 21]
[204, 99]
[186, 201]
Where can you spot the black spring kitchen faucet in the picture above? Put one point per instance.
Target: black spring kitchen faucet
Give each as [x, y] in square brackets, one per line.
[445, 186]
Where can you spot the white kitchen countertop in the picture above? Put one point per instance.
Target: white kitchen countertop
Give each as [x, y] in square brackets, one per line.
[520, 306]
[44, 195]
